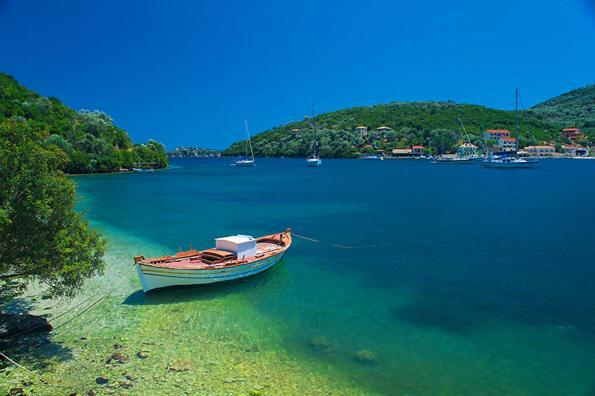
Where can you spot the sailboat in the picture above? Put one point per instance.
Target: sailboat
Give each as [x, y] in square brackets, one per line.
[314, 160]
[455, 159]
[247, 162]
[510, 161]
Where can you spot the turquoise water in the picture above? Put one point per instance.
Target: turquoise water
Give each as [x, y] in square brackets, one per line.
[460, 280]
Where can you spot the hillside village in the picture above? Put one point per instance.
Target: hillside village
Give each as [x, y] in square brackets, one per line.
[563, 126]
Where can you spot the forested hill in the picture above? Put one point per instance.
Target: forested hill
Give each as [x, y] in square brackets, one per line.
[572, 109]
[90, 139]
[427, 123]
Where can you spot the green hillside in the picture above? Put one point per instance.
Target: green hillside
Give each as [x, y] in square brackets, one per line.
[89, 138]
[574, 108]
[431, 124]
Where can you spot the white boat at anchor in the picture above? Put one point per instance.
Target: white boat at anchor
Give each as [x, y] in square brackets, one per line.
[508, 162]
[452, 160]
[233, 257]
[314, 160]
[247, 161]
[372, 157]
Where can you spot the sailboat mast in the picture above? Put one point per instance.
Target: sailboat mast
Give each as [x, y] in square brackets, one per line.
[249, 141]
[314, 144]
[516, 110]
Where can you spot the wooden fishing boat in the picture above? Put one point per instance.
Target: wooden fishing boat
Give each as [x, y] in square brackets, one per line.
[233, 257]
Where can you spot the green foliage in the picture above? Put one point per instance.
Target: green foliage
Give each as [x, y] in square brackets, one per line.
[184, 152]
[43, 237]
[574, 108]
[89, 138]
[423, 123]
[443, 140]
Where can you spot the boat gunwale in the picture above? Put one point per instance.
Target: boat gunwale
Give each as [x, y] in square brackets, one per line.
[287, 241]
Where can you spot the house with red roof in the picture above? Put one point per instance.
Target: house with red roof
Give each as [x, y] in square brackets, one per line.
[571, 133]
[495, 134]
[417, 150]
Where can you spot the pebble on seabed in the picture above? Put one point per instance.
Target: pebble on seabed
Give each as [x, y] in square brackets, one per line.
[365, 356]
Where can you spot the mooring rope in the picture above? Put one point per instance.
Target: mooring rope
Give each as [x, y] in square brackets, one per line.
[114, 287]
[342, 246]
[368, 246]
[20, 366]
[43, 380]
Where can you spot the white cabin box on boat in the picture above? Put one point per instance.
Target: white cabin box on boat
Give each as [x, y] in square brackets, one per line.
[243, 246]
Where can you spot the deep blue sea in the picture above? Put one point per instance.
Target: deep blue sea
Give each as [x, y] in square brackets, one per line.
[450, 279]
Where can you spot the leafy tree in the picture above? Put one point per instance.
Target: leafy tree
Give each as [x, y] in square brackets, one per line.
[42, 236]
[89, 138]
[443, 140]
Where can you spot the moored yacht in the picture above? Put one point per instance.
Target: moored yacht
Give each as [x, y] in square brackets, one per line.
[246, 162]
[373, 157]
[495, 161]
[314, 160]
[452, 159]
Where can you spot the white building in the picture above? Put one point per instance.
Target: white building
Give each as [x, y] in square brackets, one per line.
[540, 151]
[467, 149]
[575, 151]
[507, 144]
[362, 130]
[402, 152]
[383, 129]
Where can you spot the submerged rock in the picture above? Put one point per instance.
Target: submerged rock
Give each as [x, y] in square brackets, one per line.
[319, 344]
[179, 366]
[365, 356]
[251, 348]
[125, 384]
[129, 377]
[100, 381]
[117, 358]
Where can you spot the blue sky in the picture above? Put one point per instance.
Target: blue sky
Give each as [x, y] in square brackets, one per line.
[190, 72]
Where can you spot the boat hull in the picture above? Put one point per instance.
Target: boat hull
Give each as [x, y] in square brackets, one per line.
[373, 158]
[245, 164]
[509, 165]
[453, 162]
[156, 278]
[314, 162]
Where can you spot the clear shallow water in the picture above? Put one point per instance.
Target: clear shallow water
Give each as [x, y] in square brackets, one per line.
[481, 280]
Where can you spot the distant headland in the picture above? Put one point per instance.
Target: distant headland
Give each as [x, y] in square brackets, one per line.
[564, 122]
[194, 152]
